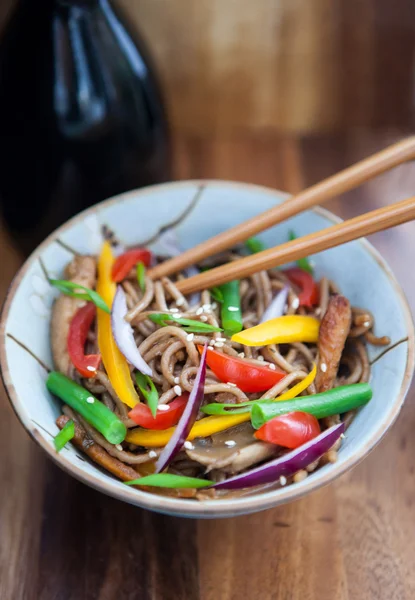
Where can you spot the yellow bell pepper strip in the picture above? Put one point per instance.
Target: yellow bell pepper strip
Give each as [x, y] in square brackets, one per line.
[282, 330]
[151, 438]
[298, 387]
[209, 425]
[114, 362]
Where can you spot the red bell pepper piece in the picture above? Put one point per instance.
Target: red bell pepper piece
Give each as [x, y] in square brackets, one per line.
[124, 263]
[247, 376]
[164, 419]
[290, 430]
[309, 295]
[86, 364]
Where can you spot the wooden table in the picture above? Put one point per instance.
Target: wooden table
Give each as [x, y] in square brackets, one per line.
[353, 540]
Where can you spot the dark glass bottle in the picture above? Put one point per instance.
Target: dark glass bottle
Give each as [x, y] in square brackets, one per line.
[81, 117]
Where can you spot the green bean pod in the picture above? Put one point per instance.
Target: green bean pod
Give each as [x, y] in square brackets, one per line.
[333, 402]
[231, 314]
[91, 409]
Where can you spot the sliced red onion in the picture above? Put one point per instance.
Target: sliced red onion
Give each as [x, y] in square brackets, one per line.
[286, 465]
[276, 308]
[123, 333]
[183, 427]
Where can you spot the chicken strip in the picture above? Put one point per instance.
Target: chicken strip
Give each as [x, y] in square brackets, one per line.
[232, 450]
[84, 443]
[82, 270]
[334, 329]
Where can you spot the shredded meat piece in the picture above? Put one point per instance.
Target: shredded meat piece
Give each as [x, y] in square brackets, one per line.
[82, 270]
[251, 455]
[245, 452]
[97, 453]
[334, 329]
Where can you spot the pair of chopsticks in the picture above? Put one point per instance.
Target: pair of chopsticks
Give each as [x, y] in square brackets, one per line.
[348, 179]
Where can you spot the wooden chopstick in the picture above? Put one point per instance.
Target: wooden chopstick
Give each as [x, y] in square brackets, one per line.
[376, 220]
[317, 194]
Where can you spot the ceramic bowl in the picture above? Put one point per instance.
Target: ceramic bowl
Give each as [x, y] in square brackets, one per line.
[136, 218]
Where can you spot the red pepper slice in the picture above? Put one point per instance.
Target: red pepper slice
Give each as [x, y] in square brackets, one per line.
[290, 430]
[128, 260]
[86, 364]
[164, 419]
[247, 376]
[309, 295]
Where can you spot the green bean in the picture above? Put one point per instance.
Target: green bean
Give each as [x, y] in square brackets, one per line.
[93, 411]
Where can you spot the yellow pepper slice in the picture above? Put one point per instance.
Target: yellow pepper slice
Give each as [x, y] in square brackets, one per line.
[151, 438]
[115, 364]
[282, 330]
[298, 387]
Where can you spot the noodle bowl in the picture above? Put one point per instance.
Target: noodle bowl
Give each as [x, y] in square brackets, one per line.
[358, 271]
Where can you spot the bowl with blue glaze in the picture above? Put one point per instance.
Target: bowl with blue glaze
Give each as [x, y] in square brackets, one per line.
[198, 210]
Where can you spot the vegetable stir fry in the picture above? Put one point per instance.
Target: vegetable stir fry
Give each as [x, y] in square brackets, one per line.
[249, 384]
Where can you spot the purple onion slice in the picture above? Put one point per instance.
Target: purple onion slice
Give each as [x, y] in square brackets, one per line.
[123, 334]
[186, 422]
[285, 465]
[276, 308]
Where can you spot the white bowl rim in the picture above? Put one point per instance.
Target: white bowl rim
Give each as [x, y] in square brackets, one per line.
[209, 508]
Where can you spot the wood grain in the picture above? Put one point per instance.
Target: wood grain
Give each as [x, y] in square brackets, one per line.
[289, 65]
[353, 540]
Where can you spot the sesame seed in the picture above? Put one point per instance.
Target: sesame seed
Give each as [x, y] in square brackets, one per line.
[295, 303]
[178, 316]
[233, 308]
[366, 323]
[177, 380]
[241, 354]
[272, 367]
[177, 390]
[203, 318]
[214, 305]
[211, 342]
[188, 446]
[230, 443]
[152, 454]
[300, 476]
[207, 307]
[180, 302]
[283, 480]
[221, 339]
[231, 384]
[199, 311]
[261, 358]
[163, 407]
[323, 367]
[174, 310]
[90, 400]
[92, 369]
[190, 337]
[119, 447]
[219, 344]
[342, 436]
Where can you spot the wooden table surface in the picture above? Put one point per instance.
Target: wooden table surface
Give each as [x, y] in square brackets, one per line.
[353, 540]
